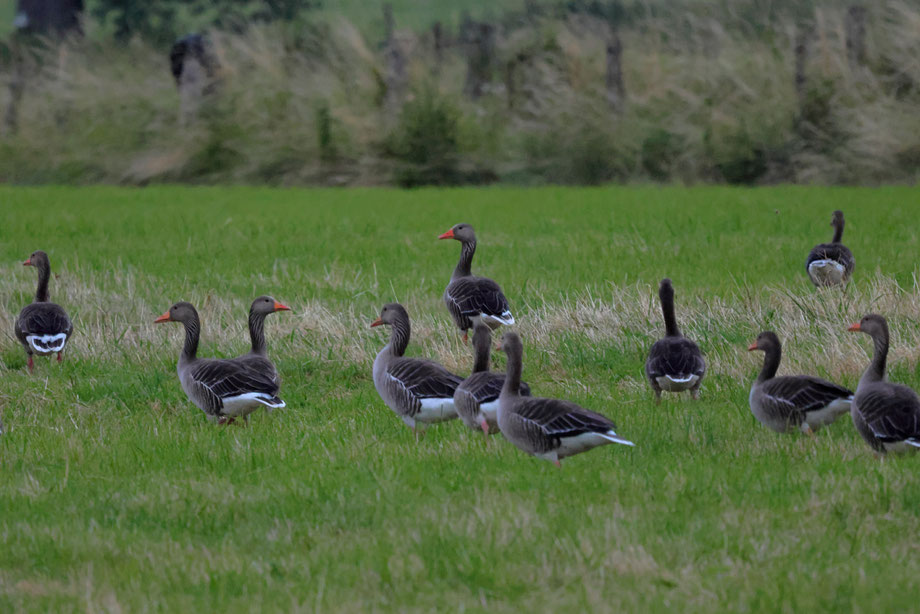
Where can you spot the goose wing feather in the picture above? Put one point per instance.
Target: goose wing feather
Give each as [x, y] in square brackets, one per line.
[891, 411]
[471, 296]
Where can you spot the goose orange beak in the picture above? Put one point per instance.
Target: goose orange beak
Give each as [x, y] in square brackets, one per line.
[448, 235]
[376, 322]
[27, 262]
[163, 318]
[855, 327]
[753, 347]
[280, 307]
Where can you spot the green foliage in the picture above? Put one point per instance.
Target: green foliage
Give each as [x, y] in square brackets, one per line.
[425, 141]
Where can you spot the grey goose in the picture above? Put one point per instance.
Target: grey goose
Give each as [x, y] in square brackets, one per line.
[476, 398]
[674, 363]
[42, 327]
[417, 390]
[550, 429]
[257, 356]
[887, 415]
[470, 298]
[224, 389]
[831, 264]
[793, 402]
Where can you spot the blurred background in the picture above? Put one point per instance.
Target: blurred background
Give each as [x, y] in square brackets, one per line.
[449, 92]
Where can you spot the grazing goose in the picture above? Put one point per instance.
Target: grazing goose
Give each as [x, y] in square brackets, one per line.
[674, 363]
[793, 401]
[257, 356]
[43, 327]
[419, 391]
[550, 429]
[886, 415]
[830, 264]
[224, 389]
[476, 398]
[470, 298]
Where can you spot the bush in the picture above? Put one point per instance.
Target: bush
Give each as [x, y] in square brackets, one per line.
[425, 141]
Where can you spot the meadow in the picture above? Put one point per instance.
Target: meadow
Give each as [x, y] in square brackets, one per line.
[117, 494]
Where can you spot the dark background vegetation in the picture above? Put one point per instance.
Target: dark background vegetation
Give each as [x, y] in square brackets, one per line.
[518, 91]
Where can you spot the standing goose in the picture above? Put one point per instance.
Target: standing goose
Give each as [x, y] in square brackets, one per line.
[830, 264]
[224, 389]
[257, 357]
[470, 298]
[886, 415]
[793, 401]
[43, 327]
[550, 429]
[674, 363]
[476, 398]
[417, 390]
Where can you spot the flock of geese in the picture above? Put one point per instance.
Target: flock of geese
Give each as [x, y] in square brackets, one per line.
[422, 392]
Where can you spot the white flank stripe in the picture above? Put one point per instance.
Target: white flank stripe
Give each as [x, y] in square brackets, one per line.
[490, 410]
[506, 318]
[50, 343]
[436, 410]
[616, 438]
[247, 403]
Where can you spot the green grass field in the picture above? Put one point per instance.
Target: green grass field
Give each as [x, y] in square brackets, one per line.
[117, 494]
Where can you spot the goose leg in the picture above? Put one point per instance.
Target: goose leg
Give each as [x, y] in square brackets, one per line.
[558, 463]
[31, 364]
[695, 393]
[466, 336]
[59, 359]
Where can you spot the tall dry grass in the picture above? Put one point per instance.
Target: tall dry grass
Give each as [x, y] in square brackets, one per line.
[707, 101]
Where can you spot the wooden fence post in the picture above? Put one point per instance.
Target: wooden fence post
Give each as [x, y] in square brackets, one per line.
[479, 43]
[803, 37]
[855, 27]
[616, 88]
[396, 78]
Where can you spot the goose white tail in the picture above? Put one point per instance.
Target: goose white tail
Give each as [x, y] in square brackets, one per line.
[913, 442]
[47, 344]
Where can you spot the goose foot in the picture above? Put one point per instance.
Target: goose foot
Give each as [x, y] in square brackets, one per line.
[695, 395]
[558, 463]
[224, 420]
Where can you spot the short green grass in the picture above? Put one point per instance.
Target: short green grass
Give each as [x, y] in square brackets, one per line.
[117, 495]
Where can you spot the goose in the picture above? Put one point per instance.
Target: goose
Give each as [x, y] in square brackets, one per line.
[830, 264]
[470, 298]
[550, 429]
[43, 327]
[674, 363]
[224, 389]
[419, 391]
[792, 402]
[476, 398]
[257, 356]
[887, 415]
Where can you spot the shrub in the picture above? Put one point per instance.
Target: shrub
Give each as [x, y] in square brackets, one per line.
[425, 141]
